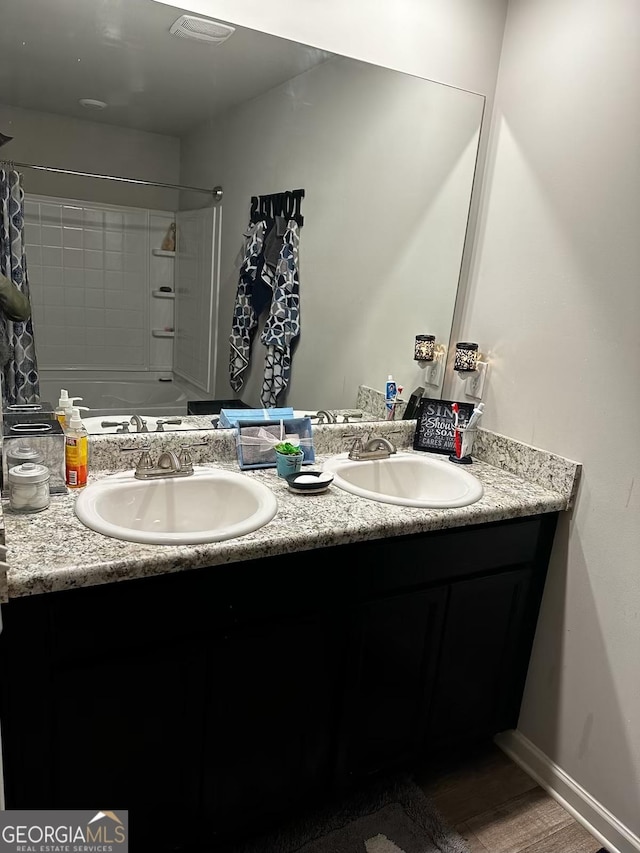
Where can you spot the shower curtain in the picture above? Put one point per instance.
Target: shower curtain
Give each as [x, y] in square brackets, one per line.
[20, 380]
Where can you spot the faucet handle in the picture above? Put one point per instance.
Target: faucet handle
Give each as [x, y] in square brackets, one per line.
[359, 440]
[185, 457]
[160, 422]
[186, 462]
[124, 425]
[145, 459]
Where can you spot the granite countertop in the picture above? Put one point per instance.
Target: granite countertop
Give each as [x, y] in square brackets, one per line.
[52, 550]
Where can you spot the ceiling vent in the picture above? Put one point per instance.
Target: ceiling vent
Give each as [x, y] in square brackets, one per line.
[201, 29]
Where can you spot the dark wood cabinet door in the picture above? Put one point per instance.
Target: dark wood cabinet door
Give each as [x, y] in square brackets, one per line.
[394, 657]
[129, 731]
[486, 627]
[272, 709]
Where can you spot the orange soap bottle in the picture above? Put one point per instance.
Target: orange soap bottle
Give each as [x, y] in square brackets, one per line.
[76, 451]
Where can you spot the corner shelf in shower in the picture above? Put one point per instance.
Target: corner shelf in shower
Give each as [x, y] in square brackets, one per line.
[160, 333]
[163, 294]
[163, 253]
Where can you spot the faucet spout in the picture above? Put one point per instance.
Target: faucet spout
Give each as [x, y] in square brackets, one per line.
[139, 423]
[379, 442]
[168, 460]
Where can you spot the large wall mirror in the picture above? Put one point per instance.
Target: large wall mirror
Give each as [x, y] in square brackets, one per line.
[386, 161]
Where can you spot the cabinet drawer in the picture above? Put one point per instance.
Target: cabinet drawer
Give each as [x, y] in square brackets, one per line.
[442, 556]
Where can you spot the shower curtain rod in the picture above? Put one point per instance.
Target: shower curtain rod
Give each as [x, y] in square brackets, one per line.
[216, 192]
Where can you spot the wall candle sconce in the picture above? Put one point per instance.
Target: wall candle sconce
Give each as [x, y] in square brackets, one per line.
[424, 349]
[466, 357]
[431, 358]
[468, 366]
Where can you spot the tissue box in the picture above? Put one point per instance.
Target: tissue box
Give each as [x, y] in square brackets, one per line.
[232, 417]
[45, 440]
[35, 413]
[256, 440]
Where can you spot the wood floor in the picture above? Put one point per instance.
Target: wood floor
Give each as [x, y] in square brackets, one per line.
[497, 808]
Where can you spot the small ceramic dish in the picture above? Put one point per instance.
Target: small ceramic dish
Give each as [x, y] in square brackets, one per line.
[309, 482]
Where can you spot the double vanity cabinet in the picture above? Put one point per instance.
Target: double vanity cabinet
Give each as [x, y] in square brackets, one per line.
[216, 690]
[213, 702]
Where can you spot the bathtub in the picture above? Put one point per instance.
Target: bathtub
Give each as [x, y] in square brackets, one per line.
[107, 395]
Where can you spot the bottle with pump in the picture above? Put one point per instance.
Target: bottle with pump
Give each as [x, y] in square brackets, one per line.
[390, 394]
[76, 451]
[65, 404]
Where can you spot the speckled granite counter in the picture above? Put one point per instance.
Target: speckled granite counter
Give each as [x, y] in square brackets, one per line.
[52, 550]
[4, 593]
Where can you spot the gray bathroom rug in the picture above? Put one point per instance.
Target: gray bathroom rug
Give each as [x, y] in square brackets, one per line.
[392, 817]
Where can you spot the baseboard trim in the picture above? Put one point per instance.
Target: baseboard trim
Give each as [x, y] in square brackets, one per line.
[595, 818]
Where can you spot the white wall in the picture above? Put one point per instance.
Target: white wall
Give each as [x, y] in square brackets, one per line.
[90, 146]
[387, 163]
[455, 42]
[555, 298]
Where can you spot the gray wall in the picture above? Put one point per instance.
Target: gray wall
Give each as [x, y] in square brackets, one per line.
[555, 299]
[90, 146]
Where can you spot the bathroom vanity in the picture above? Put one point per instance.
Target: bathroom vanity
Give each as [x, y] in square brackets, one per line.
[217, 688]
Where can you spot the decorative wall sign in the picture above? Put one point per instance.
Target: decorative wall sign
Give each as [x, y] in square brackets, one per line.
[435, 425]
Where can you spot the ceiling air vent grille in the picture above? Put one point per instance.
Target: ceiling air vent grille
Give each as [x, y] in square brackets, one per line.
[201, 29]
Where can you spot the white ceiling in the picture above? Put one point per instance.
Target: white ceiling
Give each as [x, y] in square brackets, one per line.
[54, 52]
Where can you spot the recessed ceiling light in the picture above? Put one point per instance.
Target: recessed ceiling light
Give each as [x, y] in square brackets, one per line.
[92, 104]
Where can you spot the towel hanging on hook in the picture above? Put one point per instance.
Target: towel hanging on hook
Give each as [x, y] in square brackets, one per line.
[286, 204]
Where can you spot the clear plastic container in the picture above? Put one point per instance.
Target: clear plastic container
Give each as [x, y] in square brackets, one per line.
[28, 487]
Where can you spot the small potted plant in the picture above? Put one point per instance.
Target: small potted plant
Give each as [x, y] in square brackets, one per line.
[288, 458]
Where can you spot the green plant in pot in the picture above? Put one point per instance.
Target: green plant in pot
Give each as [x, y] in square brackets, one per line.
[288, 449]
[288, 458]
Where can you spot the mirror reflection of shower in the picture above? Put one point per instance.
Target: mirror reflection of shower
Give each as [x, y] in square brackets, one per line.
[104, 291]
[121, 321]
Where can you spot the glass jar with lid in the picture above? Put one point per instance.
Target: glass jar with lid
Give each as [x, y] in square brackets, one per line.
[28, 487]
[19, 453]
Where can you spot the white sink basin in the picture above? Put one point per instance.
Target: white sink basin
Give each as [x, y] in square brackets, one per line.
[208, 506]
[407, 479]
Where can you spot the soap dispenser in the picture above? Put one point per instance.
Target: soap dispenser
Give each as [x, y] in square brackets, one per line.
[76, 451]
[65, 404]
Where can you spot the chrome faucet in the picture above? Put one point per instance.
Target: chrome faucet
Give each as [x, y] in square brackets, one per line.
[168, 464]
[374, 447]
[139, 423]
[323, 414]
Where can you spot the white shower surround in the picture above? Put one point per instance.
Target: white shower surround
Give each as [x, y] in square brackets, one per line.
[107, 392]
